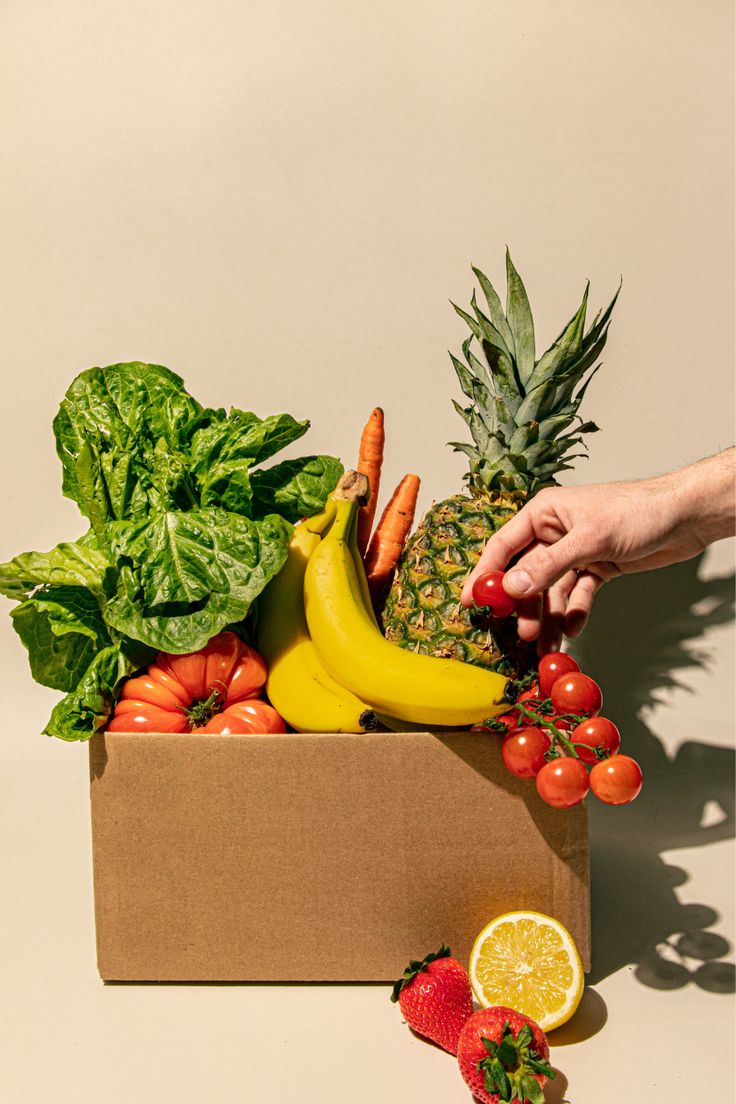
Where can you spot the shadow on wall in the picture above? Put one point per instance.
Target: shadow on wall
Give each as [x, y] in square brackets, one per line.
[645, 628]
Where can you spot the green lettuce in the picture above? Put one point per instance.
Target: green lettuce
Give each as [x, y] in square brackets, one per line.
[185, 531]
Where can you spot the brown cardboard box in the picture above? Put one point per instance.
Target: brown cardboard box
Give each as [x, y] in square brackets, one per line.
[330, 857]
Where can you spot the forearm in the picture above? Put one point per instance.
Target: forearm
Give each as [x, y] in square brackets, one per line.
[705, 496]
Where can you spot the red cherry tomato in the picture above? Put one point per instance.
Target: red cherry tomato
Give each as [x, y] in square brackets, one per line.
[593, 733]
[531, 694]
[576, 693]
[563, 782]
[523, 751]
[488, 592]
[617, 780]
[500, 725]
[551, 667]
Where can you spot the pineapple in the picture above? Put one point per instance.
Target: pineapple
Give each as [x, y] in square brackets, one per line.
[523, 419]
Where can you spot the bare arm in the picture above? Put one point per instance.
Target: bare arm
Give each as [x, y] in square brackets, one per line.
[570, 540]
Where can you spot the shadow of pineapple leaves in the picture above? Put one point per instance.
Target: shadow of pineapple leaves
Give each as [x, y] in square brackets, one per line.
[646, 629]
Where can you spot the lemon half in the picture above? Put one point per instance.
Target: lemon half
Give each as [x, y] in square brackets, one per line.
[529, 962]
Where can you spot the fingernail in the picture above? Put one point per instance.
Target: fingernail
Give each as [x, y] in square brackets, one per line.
[519, 581]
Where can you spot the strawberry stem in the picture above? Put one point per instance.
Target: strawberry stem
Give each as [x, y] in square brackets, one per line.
[415, 967]
[511, 1065]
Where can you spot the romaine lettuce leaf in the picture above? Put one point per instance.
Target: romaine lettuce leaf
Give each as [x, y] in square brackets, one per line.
[186, 531]
[62, 628]
[296, 488]
[185, 576]
[72, 563]
[86, 708]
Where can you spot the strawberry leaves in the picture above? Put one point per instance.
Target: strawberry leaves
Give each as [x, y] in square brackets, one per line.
[416, 967]
[510, 1065]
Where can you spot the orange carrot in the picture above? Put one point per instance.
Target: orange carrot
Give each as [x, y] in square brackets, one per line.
[388, 539]
[370, 459]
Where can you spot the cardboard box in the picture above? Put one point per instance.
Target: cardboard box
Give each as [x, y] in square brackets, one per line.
[317, 858]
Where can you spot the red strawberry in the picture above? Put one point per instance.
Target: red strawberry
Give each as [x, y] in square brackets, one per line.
[503, 1057]
[435, 997]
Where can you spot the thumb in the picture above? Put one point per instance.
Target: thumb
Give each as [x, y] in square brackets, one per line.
[544, 565]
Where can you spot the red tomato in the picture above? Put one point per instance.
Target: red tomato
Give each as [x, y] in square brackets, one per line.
[488, 592]
[169, 683]
[183, 693]
[551, 667]
[248, 676]
[499, 725]
[144, 717]
[188, 670]
[617, 780]
[593, 733]
[576, 693]
[528, 697]
[523, 751]
[260, 716]
[222, 656]
[226, 724]
[146, 689]
[563, 782]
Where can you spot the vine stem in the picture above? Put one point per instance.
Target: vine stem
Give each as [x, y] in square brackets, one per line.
[540, 719]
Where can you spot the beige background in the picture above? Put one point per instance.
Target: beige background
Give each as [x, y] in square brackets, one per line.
[277, 200]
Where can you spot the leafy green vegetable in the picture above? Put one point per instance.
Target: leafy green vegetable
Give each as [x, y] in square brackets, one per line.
[196, 572]
[63, 630]
[296, 488]
[185, 532]
[85, 710]
[73, 563]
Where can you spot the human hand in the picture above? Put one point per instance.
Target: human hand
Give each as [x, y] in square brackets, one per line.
[568, 541]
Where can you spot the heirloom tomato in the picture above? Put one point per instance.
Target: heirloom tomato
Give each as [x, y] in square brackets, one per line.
[211, 690]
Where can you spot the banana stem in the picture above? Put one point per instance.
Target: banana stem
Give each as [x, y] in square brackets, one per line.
[352, 487]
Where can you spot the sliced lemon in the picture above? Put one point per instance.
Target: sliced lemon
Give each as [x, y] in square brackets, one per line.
[529, 962]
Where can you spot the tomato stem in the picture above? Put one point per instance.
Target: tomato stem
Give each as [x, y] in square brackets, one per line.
[202, 711]
[539, 716]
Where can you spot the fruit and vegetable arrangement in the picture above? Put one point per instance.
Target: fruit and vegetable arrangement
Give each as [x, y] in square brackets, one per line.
[215, 592]
[218, 593]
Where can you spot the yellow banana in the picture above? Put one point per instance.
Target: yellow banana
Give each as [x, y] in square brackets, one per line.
[403, 684]
[298, 686]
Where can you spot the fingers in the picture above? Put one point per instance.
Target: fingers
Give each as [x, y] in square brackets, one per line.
[580, 601]
[510, 539]
[554, 610]
[562, 610]
[546, 564]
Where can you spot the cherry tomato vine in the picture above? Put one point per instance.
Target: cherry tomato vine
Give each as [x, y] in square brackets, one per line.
[552, 732]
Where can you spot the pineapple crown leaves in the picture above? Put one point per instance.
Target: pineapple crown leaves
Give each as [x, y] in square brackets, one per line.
[416, 967]
[509, 1067]
[523, 413]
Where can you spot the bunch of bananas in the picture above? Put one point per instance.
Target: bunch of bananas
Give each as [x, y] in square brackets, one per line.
[330, 667]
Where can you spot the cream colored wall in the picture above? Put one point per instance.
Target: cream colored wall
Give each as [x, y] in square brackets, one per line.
[277, 201]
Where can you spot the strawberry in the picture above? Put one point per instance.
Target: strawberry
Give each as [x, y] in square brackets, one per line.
[503, 1057]
[435, 998]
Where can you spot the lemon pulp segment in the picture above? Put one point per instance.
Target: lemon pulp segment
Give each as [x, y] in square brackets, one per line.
[529, 962]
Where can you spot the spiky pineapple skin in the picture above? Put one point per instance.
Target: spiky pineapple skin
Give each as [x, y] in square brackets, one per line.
[423, 610]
